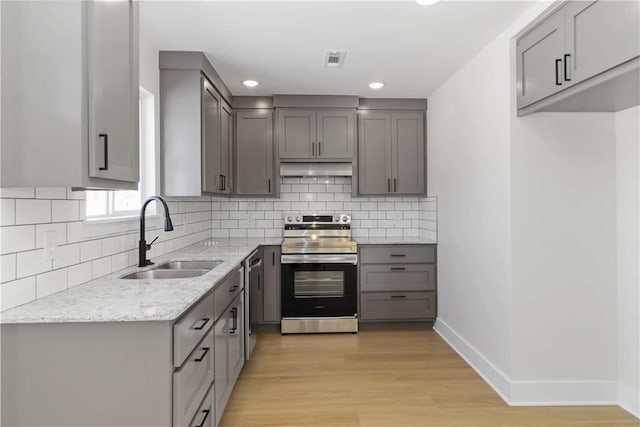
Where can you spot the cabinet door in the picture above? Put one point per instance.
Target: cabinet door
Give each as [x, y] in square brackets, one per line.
[271, 286]
[113, 90]
[539, 60]
[335, 134]
[296, 134]
[254, 153]
[236, 340]
[600, 36]
[226, 126]
[407, 144]
[221, 369]
[374, 153]
[211, 141]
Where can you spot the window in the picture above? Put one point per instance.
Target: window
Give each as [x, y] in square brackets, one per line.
[125, 203]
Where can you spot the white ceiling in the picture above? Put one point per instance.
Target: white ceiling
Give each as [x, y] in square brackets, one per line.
[412, 49]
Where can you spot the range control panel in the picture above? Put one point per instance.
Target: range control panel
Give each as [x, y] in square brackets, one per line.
[299, 219]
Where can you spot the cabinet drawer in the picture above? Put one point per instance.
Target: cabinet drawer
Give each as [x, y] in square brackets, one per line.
[192, 380]
[191, 328]
[401, 254]
[226, 291]
[397, 305]
[205, 417]
[398, 277]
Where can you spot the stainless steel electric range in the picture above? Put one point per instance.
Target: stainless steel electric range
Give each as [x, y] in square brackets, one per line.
[319, 274]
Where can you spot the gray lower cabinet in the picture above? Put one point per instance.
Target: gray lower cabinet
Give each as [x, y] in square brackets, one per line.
[579, 41]
[228, 340]
[397, 282]
[70, 113]
[265, 288]
[153, 373]
[391, 153]
[316, 134]
[254, 153]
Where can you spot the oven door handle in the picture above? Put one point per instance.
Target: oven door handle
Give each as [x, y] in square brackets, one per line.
[319, 259]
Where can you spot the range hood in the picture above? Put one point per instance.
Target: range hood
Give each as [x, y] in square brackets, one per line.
[316, 169]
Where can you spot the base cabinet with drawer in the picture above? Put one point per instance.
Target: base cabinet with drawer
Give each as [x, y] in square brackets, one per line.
[397, 282]
[127, 373]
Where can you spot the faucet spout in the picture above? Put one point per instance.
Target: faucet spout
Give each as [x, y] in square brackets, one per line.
[142, 245]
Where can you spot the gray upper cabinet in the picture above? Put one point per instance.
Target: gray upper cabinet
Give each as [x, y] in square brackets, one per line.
[196, 130]
[391, 150]
[70, 118]
[600, 35]
[315, 134]
[582, 57]
[538, 64]
[254, 153]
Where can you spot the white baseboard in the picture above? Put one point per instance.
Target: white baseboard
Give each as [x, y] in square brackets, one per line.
[487, 370]
[533, 393]
[629, 399]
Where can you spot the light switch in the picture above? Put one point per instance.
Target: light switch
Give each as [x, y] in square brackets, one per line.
[50, 243]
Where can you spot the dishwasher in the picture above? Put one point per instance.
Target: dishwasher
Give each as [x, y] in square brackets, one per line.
[253, 275]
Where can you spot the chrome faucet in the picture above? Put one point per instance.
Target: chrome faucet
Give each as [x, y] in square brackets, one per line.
[143, 247]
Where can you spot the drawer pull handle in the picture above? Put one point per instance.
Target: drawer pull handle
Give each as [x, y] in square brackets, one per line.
[234, 288]
[205, 350]
[398, 255]
[234, 327]
[398, 268]
[398, 296]
[202, 325]
[206, 415]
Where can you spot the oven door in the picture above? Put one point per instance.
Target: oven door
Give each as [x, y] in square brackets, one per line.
[319, 290]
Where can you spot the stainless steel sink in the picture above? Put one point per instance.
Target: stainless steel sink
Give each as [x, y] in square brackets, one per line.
[189, 265]
[165, 274]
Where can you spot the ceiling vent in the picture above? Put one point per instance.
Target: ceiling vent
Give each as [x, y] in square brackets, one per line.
[334, 58]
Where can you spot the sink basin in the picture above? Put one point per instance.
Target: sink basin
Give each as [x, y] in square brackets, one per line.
[189, 265]
[165, 274]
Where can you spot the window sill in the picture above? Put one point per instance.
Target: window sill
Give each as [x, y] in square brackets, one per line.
[100, 227]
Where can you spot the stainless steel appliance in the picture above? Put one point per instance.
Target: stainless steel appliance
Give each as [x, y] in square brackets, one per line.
[319, 274]
[253, 272]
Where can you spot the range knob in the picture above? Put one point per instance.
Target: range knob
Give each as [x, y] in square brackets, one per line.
[344, 218]
[289, 219]
[336, 218]
[298, 219]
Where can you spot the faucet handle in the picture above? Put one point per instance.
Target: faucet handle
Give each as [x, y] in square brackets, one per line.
[151, 243]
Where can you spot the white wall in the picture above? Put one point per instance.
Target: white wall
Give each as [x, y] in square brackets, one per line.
[627, 127]
[563, 257]
[527, 237]
[468, 155]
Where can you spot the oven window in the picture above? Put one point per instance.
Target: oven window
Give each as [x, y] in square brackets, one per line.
[315, 284]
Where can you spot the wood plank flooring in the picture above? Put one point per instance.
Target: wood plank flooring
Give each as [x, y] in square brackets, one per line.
[408, 378]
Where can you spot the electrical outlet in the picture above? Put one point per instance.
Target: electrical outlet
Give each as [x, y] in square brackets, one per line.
[50, 243]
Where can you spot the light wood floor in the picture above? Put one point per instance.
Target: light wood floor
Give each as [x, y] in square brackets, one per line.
[381, 379]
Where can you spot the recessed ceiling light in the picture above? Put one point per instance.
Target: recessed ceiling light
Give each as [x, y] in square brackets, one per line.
[376, 85]
[250, 83]
[427, 2]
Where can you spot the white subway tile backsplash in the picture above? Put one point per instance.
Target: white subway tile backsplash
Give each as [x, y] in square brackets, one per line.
[18, 193]
[8, 268]
[65, 210]
[7, 211]
[91, 249]
[31, 263]
[51, 282]
[79, 273]
[66, 255]
[17, 238]
[32, 211]
[51, 193]
[18, 292]
[100, 267]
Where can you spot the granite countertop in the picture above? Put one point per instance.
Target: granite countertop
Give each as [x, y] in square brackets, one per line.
[111, 299]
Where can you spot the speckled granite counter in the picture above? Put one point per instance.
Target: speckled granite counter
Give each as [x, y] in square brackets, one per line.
[395, 241]
[111, 299]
